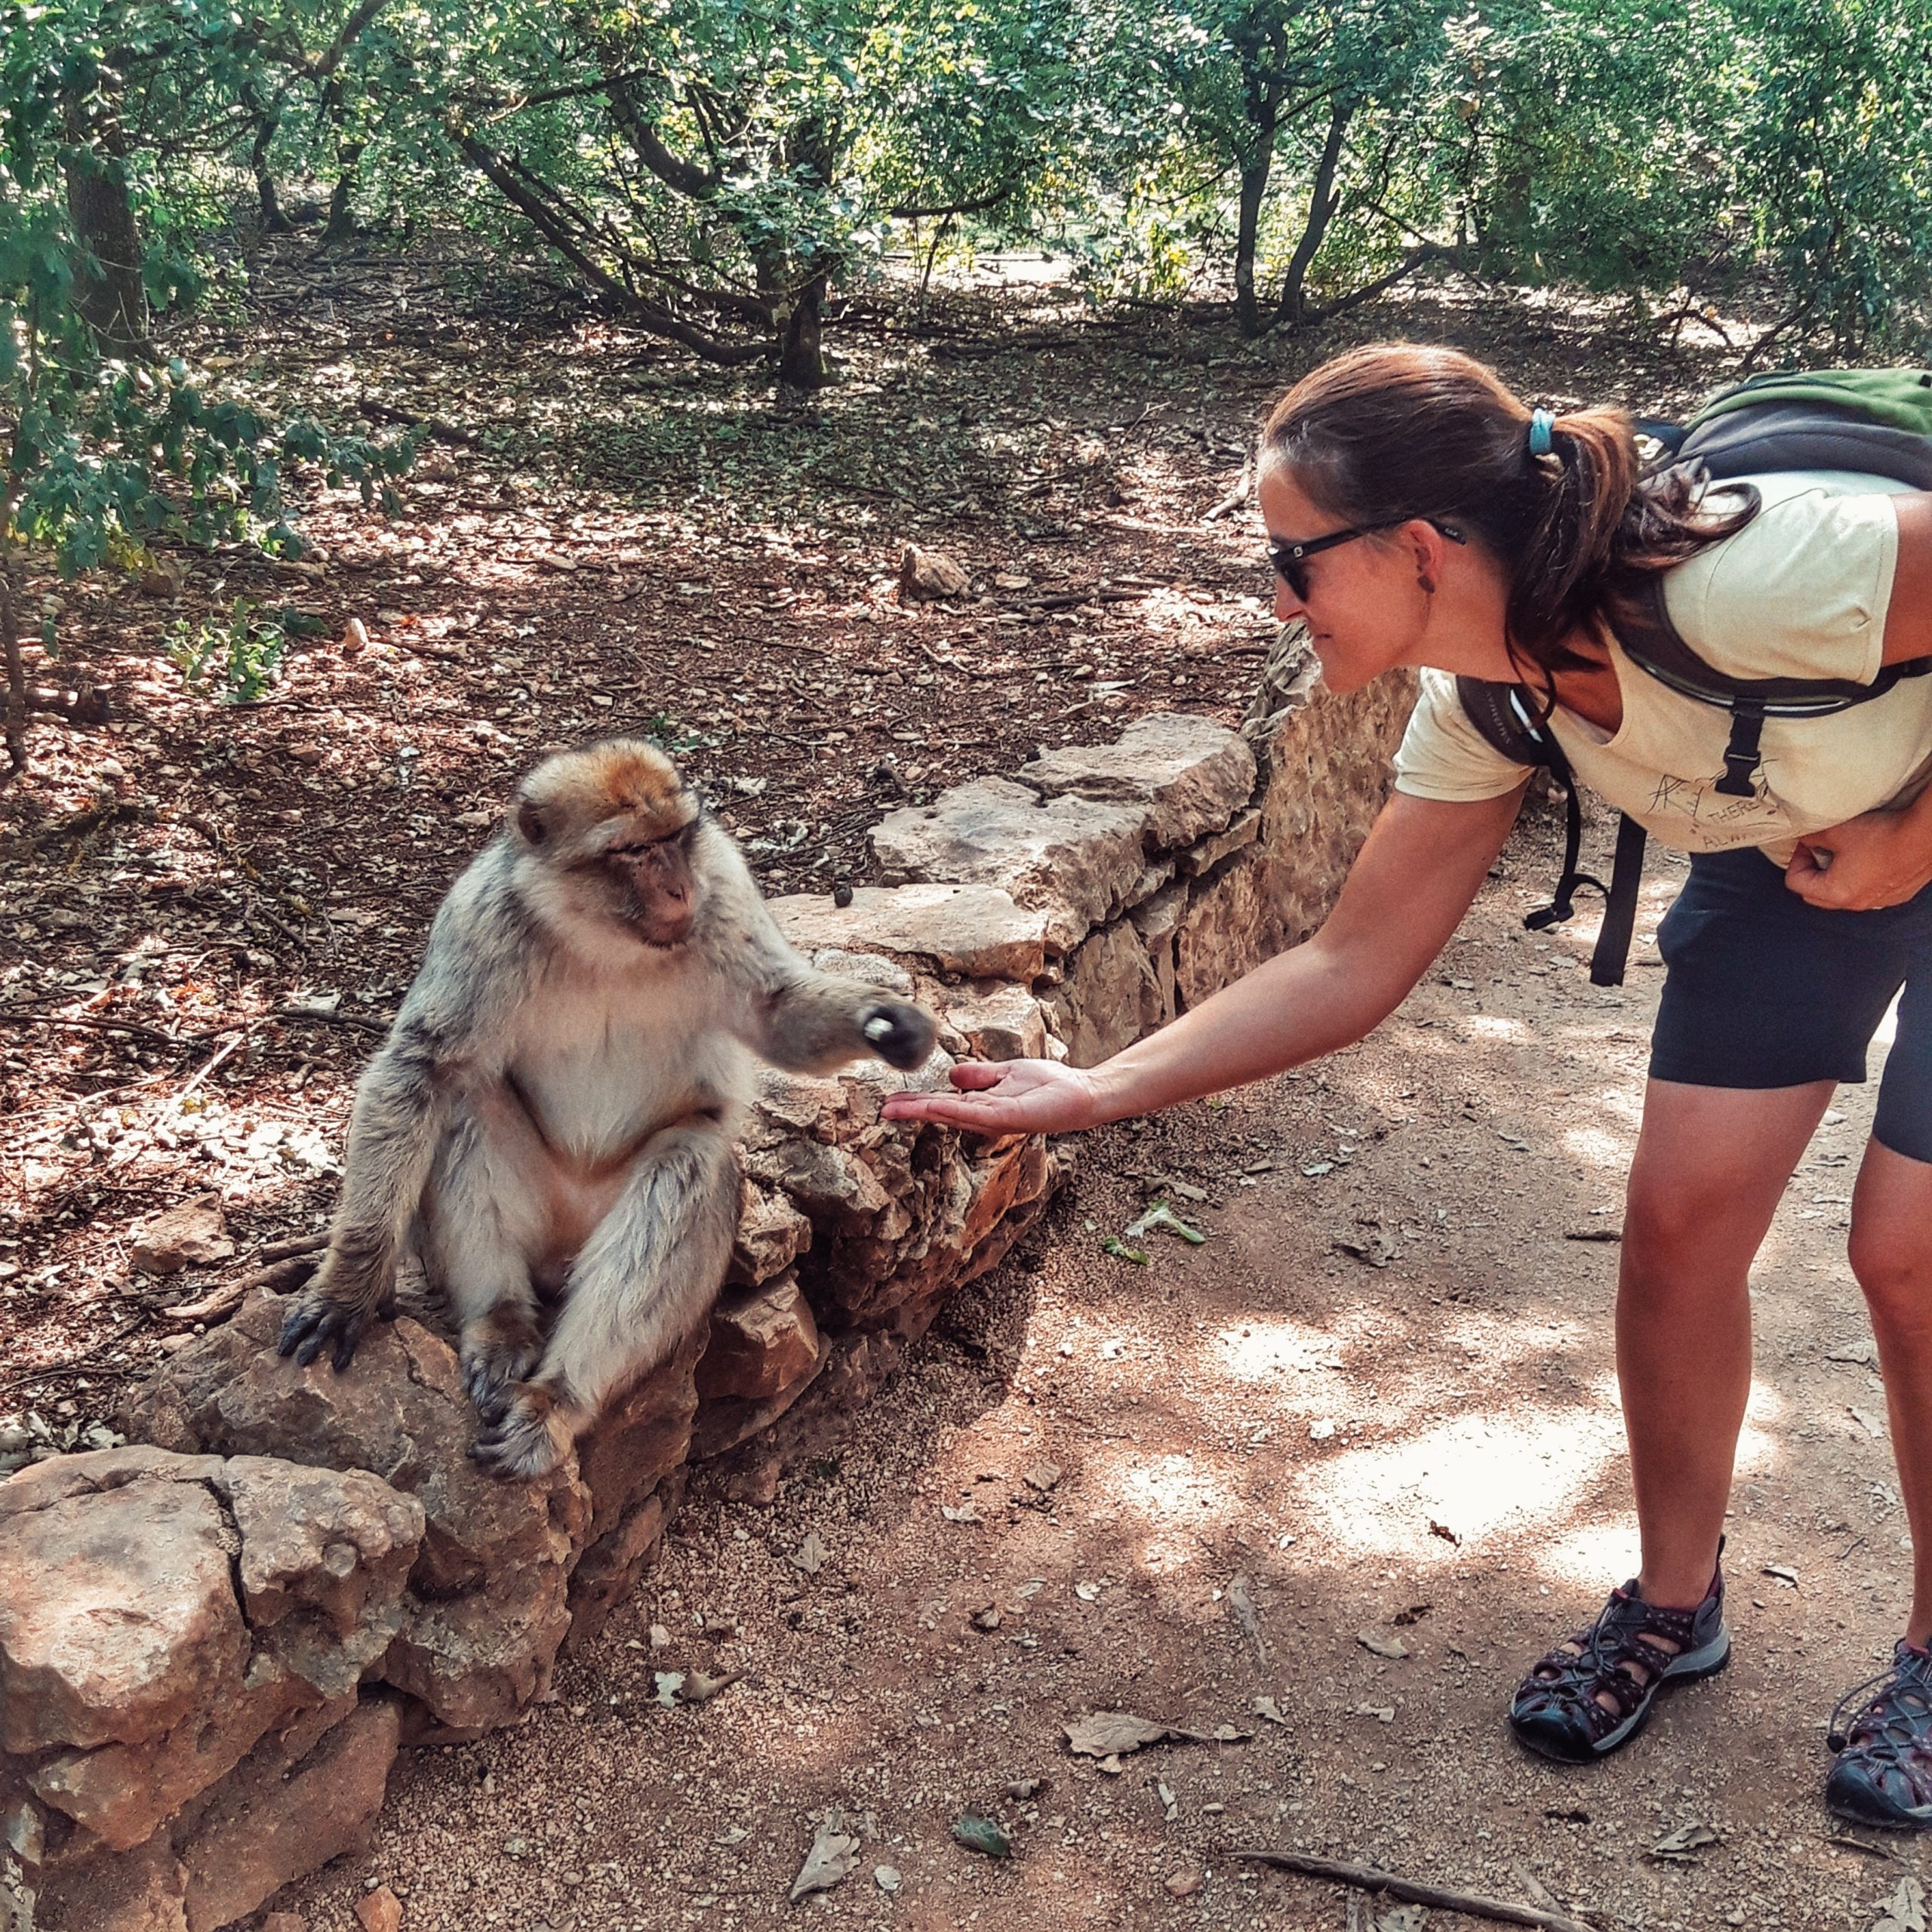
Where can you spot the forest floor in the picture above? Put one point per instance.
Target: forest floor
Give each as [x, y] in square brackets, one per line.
[208, 909]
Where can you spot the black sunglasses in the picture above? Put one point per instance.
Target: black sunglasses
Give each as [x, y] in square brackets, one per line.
[1290, 560]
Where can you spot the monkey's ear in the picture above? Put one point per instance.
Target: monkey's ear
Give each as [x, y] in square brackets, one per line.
[530, 822]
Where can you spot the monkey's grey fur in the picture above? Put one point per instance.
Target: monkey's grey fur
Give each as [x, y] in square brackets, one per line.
[552, 1114]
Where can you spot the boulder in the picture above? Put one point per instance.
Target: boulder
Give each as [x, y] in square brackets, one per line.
[1079, 859]
[193, 1235]
[286, 1810]
[485, 1610]
[1222, 934]
[997, 1021]
[762, 1340]
[971, 932]
[141, 1890]
[925, 573]
[772, 1233]
[1111, 996]
[1192, 774]
[132, 1677]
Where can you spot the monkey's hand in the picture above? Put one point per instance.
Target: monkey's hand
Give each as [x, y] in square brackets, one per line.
[902, 1035]
[325, 1318]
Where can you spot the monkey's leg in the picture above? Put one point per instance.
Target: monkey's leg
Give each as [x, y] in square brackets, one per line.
[645, 1277]
[484, 1221]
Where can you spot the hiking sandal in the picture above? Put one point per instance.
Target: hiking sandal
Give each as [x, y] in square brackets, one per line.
[1558, 1710]
[1883, 1772]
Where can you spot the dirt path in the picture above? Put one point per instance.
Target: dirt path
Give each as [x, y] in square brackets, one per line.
[1427, 1451]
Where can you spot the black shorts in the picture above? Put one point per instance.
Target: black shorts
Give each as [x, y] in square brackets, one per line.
[1765, 990]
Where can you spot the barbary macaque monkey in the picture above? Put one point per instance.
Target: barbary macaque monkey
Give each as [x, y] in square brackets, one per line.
[552, 1116]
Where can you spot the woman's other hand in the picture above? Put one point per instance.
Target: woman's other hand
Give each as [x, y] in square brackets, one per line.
[1008, 1097]
[1881, 858]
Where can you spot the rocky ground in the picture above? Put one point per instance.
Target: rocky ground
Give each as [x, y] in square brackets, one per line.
[1332, 1478]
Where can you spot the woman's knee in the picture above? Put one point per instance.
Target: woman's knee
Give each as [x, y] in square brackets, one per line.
[1891, 1257]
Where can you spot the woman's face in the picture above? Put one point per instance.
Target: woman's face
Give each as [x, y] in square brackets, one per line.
[1366, 606]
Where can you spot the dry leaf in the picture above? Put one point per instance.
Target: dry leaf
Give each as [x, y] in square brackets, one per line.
[830, 1859]
[1382, 1647]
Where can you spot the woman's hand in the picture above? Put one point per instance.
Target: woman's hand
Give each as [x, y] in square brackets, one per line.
[1881, 858]
[1007, 1096]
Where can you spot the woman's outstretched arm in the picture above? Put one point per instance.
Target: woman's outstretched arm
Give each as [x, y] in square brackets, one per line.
[1411, 883]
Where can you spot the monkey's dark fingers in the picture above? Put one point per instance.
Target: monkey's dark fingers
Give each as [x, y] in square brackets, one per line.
[314, 1324]
[902, 1035]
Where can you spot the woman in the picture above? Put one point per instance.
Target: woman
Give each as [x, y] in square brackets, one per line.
[1419, 514]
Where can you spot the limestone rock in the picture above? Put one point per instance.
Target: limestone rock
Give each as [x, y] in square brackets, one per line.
[772, 1233]
[379, 1911]
[1157, 921]
[1079, 859]
[324, 1556]
[762, 1340]
[1209, 853]
[485, 1608]
[973, 932]
[140, 1890]
[128, 1670]
[1111, 996]
[1222, 934]
[193, 1235]
[997, 1021]
[925, 573]
[288, 1808]
[1193, 774]
[631, 1464]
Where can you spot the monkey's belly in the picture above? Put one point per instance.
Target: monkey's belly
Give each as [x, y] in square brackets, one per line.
[574, 1205]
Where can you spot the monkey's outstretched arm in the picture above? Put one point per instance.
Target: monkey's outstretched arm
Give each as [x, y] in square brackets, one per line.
[811, 1022]
[401, 1105]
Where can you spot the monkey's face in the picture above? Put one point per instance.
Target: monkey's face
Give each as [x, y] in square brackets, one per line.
[616, 834]
[654, 889]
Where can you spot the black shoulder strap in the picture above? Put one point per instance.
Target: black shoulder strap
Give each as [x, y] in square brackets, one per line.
[1506, 716]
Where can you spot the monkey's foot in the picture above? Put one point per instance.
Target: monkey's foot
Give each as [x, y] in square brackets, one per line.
[498, 1352]
[533, 1436]
[318, 1321]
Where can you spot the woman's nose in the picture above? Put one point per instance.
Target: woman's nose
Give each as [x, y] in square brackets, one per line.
[1287, 605]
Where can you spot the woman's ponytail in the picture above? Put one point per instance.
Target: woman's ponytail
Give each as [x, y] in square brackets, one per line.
[1385, 434]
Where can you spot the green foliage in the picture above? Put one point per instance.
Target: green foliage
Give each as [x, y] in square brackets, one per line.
[244, 646]
[109, 440]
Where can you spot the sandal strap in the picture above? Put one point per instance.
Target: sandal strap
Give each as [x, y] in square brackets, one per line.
[1580, 1680]
[1893, 1732]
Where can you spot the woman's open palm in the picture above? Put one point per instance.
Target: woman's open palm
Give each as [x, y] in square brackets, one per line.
[1007, 1096]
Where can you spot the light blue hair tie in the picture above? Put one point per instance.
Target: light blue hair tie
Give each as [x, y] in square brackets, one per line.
[1541, 423]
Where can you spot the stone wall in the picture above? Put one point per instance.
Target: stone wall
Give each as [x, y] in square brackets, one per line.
[212, 1645]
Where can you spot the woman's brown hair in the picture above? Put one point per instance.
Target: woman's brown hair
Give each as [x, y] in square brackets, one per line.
[1397, 431]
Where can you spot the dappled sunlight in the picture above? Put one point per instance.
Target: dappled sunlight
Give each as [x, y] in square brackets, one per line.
[1493, 1026]
[1599, 1146]
[1476, 1475]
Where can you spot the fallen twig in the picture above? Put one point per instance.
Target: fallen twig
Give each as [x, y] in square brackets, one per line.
[333, 1018]
[1444, 1898]
[15, 1016]
[1236, 496]
[294, 1262]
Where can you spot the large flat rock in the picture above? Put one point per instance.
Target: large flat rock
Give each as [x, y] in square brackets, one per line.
[1079, 859]
[973, 932]
[1192, 774]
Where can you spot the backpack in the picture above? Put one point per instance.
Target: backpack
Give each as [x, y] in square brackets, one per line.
[1872, 422]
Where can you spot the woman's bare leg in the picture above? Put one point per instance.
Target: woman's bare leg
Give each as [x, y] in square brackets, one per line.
[1891, 1255]
[1711, 1165]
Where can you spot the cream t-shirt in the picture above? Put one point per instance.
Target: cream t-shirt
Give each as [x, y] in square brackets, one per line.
[1800, 592]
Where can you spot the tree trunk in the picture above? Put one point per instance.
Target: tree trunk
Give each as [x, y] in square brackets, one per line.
[274, 222]
[108, 287]
[800, 359]
[1323, 199]
[1254, 188]
[16, 707]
